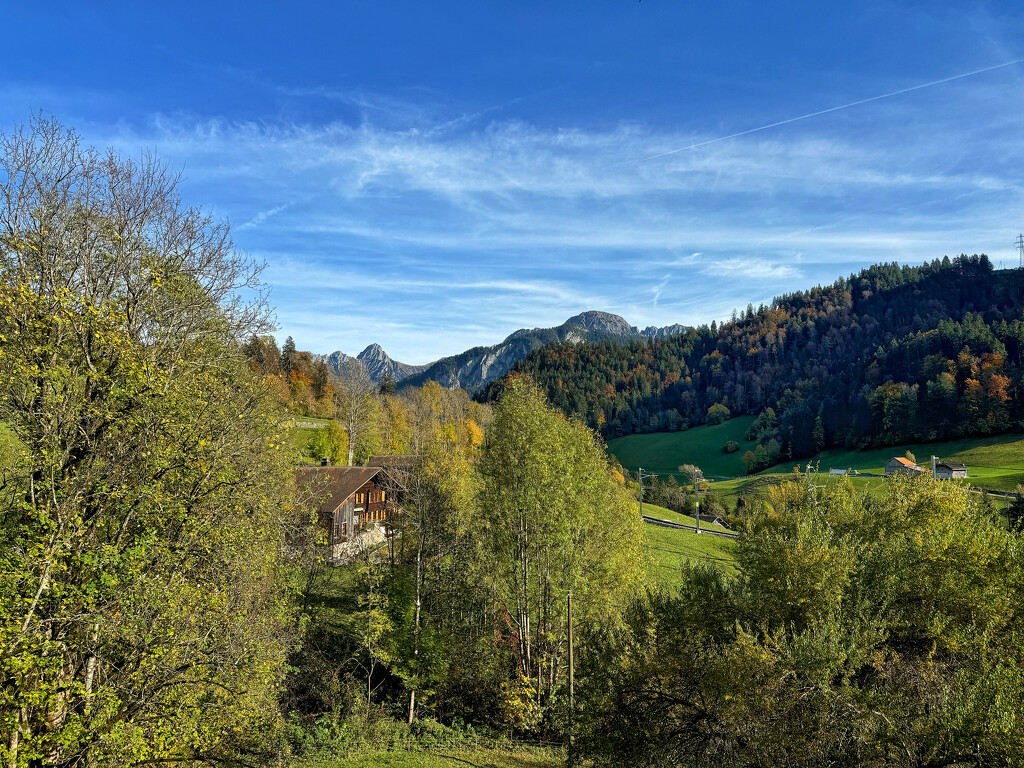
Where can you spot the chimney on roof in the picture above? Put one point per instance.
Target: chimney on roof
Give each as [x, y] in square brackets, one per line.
[325, 462]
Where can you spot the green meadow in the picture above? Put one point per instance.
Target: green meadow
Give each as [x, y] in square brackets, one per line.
[663, 452]
[993, 463]
[996, 463]
[301, 435]
[653, 510]
[668, 548]
[8, 446]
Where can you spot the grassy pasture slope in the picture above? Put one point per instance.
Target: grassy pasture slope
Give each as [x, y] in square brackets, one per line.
[663, 452]
[668, 547]
[654, 510]
[750, 487]
[995, 463]
[302, 435]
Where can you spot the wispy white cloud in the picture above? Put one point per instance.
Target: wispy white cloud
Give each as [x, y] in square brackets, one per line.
[262, 216]
[750, 269]
[474, 222]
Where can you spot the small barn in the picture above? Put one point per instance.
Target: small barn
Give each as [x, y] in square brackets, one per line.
[899, 465]
[352, 499]
[950, 470]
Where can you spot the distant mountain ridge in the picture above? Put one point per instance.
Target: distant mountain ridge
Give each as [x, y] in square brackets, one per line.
[477, 367]
[377, 364]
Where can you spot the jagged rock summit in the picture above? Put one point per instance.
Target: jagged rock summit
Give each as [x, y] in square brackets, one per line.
[378, 364]
[477, 367]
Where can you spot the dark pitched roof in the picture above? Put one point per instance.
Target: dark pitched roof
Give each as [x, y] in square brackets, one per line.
[404, 460]
[333, 485]
[952, 465]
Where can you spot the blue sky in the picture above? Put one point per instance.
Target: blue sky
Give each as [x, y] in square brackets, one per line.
[433, 176]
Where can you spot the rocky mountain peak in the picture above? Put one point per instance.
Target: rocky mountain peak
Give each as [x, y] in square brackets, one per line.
[476, 367]
[602, 322]
[374, 352]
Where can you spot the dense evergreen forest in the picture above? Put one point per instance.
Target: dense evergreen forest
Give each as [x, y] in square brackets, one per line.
[890, 355]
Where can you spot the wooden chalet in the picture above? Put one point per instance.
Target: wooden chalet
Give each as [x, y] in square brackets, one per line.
[352, 499]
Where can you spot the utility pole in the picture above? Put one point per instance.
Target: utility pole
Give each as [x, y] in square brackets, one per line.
[934, 459]
[697, 477]
[1019, 242]
[641, 475]
[571, 761]
[812, 488]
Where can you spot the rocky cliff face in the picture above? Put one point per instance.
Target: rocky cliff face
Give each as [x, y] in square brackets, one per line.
[660, 333]
[477, 367]
[336, 360]
[377, 364]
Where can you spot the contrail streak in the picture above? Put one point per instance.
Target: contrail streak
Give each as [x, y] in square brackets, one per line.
[836, 109]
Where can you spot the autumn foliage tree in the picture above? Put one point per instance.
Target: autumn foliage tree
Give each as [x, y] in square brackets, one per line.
[553, 519]
[142, 517]
[894, 353]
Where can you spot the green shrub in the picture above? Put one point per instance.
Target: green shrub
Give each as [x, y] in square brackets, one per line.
[717, 414]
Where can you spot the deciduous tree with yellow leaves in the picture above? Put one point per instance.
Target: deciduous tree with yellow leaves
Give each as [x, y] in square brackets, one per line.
[143, 515]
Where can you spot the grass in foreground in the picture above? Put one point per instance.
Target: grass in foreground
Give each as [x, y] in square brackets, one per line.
[668, 548]
[441, 758]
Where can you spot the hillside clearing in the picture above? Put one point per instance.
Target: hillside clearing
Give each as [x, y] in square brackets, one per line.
[663, 452]
[653, 510]
[993, 463]
[8, 446]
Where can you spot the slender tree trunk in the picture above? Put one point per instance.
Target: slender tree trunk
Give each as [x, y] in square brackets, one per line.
[351, 440]
[12, 749]
[416, 629]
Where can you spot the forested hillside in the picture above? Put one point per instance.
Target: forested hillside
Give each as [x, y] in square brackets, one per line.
[893, 354]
